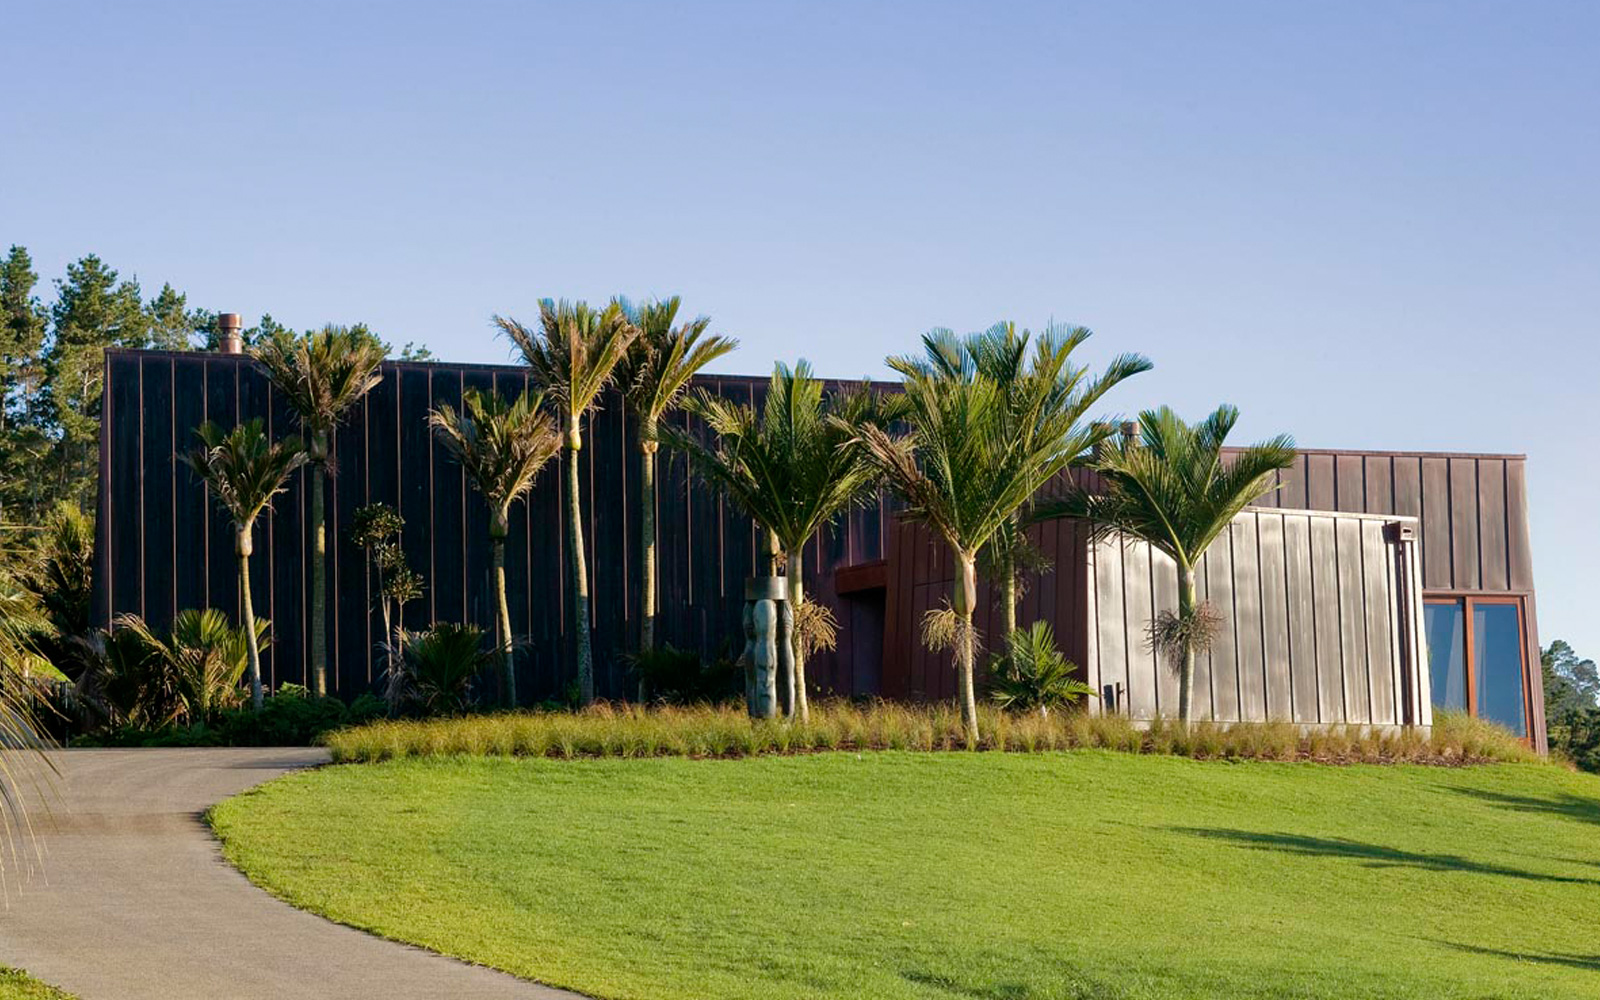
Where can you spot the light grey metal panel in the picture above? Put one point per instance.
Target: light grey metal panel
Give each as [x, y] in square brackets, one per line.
[1325, 609]
[1277, 672]
[1378, 589]
[1164, 588]
[1143, 673]
[1110, 637]
[1224, 652]
[1352, 622]
[1249, 661]
[1301, 617]
[1091, 635]
[1204, 706]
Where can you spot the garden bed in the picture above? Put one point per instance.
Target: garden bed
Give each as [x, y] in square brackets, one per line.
[725, 731]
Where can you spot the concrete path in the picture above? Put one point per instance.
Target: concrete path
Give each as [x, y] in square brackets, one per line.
[134, 900]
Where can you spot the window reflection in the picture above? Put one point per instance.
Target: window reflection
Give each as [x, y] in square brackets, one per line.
[1447, 653]
[1497, 665]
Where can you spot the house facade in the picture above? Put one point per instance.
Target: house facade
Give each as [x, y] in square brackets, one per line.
[1369, 588]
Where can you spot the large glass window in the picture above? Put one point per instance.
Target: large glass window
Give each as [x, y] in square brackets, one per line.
[1497, 663]
[1476, 658]
[1447, 653]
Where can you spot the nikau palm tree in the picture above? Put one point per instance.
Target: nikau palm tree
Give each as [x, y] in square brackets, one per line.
[655, 374]
[976, 452]
[1174, 489]
[321, 376]
[1027, 382]
[574, 355]
[502, 447]
[244, 471]
[793, 469]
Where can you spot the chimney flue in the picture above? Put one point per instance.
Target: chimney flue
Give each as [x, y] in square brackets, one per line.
[231, 337]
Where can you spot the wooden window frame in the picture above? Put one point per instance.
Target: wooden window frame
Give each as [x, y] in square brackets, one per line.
[1466, 600]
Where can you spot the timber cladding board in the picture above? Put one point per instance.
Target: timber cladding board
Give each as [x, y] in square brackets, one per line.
[165, 546]
[1326, 654]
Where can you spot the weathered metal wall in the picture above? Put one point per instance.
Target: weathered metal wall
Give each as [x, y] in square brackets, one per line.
[164, 546]
[1319, 623]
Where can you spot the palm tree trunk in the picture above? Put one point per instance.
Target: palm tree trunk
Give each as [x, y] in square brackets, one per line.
[1186, 595]
[963, 599]
[647, 545]
[797, 658]
[319, 587]
[1008, 594]
[578, 570]
[508, 670]
[391, 690]
[243, 547]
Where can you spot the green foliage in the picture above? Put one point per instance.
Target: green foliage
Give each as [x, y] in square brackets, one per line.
[574, 354]
[18, 985]
[438, 666]
[1172, 487]
[288, 717]
[1033, 675]
[793, 468]
[682, 677]
[1572, 704]
[62, 573]
[843, 876]
[243, 470]
[204, 659]
[321, 376]
[502, 446]
[663, 358]
[704, 730]
[133, 677]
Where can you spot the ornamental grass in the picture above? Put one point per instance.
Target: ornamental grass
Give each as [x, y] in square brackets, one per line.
[724, 731]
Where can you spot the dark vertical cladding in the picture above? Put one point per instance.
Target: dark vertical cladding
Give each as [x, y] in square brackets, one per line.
[164, 546]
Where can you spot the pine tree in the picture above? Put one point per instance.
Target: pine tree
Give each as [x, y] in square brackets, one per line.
[93, 311]
[22, 329]
[172, 325]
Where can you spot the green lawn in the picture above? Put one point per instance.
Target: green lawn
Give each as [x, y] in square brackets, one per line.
[17, 985]
[954, 875]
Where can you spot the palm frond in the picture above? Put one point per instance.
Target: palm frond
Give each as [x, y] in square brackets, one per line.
[502, 446]
[663, 357]
[1173, 487]
[243, 469]
[796, 465]
[321, 375]
[575, 351]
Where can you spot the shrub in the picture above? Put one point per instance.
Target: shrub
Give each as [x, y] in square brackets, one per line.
[682, 677]
[1032, 675]
[438, 665]
[725, 731]
[291, 716]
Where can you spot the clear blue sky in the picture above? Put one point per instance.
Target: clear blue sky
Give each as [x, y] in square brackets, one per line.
[1371, 225]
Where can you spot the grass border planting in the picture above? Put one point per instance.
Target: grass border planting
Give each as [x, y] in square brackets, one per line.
[708, 731]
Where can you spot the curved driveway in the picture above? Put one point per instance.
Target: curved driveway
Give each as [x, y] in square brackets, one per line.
[134, 900]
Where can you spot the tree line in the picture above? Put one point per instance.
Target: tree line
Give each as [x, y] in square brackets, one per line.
[52, 349]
